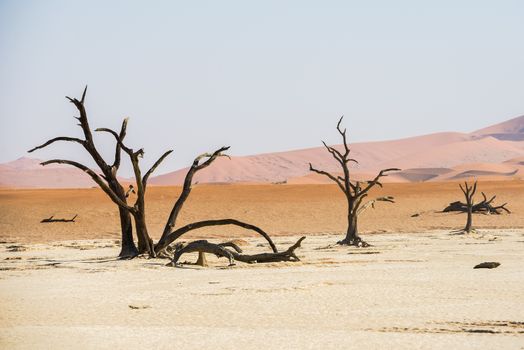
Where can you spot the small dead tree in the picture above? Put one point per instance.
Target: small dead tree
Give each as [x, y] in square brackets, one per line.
[355, 191]
[109, 171]
[485, 206]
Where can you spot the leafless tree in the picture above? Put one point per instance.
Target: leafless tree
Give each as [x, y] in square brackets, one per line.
[469, 192]
[108, 182]
[109, 171]
[485, 206]
[355, 191]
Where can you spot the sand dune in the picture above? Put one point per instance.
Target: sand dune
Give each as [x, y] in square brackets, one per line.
[493, 145]
[28, 173]
[512, 130]
[422, 158]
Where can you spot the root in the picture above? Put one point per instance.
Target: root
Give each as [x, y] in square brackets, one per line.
[357, 242]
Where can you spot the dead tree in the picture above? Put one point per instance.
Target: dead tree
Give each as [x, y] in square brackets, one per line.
[469, 192]
[109, 171]
[484, 207]
[108, 182]
[220, 250]
[52, 219]
[355, 191]
[170, 233]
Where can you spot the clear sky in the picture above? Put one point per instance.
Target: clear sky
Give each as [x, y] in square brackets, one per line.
[260, 76]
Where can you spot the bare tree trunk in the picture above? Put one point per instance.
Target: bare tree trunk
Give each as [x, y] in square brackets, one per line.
[469, 220]
[145, 243]
[128, 248]
[469, 192]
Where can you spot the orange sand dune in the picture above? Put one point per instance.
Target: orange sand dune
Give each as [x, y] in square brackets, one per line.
[495, 144]
[28, 173]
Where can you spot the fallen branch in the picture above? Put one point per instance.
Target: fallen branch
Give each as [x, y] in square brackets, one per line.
[51, 219]
[220, 250]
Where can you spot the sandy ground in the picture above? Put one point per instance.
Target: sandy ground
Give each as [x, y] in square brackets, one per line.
[61, 287]
[407, 291]
[278, 209]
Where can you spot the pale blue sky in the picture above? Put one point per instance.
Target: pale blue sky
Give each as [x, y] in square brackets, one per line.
[260, 76]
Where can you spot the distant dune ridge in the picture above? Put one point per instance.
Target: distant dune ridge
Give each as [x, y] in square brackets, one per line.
[494, 153]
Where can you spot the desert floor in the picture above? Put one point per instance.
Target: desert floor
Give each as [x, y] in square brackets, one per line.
[407, 291]
[61, 286]
[278, 209]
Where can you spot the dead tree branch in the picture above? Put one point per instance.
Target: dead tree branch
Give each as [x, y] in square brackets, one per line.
[52, 219]
[220, 250]
[186, 190]
[207, 223]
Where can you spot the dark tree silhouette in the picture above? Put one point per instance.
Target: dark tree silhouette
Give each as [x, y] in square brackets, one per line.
[109, 171]
[109, 184]
[355, 191]
[485, 206]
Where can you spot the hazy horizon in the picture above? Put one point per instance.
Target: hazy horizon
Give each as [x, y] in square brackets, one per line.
[261, 78]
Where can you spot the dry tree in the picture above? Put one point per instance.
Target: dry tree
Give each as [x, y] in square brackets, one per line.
[484, 207]
[109, 171]
[355, 191]
[470, 207]
[108, 182]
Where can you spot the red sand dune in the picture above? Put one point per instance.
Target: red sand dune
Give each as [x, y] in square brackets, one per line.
[434, 157]
[28, 173]
[511, 130]
[423, 158]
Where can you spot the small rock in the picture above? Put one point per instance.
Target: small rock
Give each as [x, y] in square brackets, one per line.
[487, 265]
